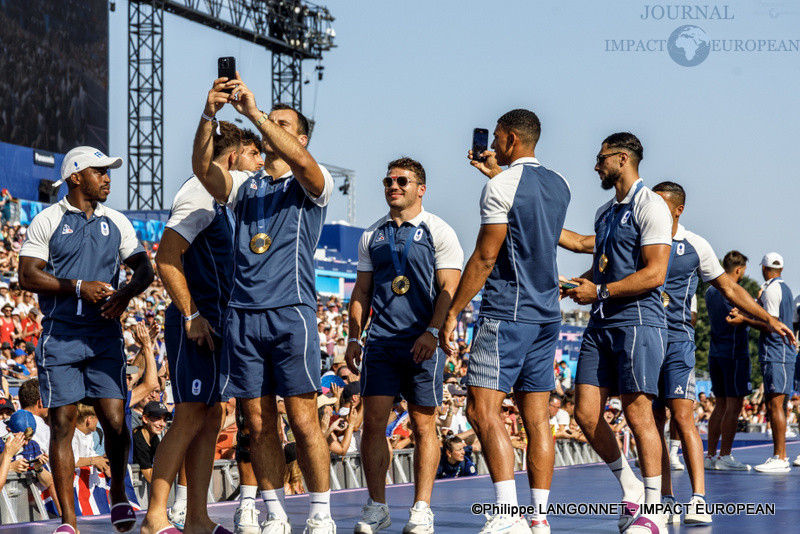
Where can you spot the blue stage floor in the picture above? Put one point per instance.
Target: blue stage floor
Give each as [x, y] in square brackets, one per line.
[590, 483]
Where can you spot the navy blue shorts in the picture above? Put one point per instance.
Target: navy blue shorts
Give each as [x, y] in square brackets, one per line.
[391, 370]
[74, 368]
[778, 377]
[193, 369]
[624, 359]
[730, 377]
[677, 373]
[270, 352]
[510, 354]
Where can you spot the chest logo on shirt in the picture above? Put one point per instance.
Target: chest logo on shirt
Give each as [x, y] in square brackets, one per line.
[680, 249]
[104, 228]
[625, 218]
[380, 237]
[66, 230]
[418, 234]
[253, 185]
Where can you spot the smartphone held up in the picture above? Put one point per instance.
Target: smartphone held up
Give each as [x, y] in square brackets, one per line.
[480, 143]
[226, 68]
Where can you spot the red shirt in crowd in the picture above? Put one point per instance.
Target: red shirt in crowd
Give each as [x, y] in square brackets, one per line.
[28, 327]
[6, 330]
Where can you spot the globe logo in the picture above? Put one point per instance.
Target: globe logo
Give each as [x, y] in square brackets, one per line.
[688, 46]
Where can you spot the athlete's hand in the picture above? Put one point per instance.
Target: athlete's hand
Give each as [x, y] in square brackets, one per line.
[95, 291]
[735, 317]
[488, 168]
[782, 330]
[200, 331]
[447, 335]
[353, 357]
[115, 305]
[243, 100]
[562, 293]
[216, 98]
[424, 347]
[585, 293]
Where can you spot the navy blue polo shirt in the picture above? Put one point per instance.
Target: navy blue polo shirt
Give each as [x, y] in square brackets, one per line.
[79, 248]
[400, 319]
[284, 274]
[727, 341]
[208, 262]
[532, 200]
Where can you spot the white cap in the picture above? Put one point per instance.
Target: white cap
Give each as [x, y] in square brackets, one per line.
[83, 157]
[773, 260]
[3, 285]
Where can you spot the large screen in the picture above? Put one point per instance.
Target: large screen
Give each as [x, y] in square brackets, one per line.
[54, 60]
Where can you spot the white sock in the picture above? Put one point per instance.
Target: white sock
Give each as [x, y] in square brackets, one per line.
[673, 447]
[180, 498]
[539, 499]
[376, 503]
[420, 505]
[631, 487]
[247, 494]
[505, 492]
[275, 501]
[652, 490]
[320, 503]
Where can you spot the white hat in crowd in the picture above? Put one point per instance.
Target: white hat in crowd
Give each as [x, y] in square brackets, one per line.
[772, 260]
[83, 157]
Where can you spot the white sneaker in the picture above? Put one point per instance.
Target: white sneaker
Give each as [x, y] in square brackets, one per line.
[797, 461]
[320, 524]
[774, 465]
[675, 463]
[696, 513]
[420, 521]
[276, 525]
[646, 525]
[729, 463]
[540, 526]
[177, 517]
[710, 463]
[245, 519]
[506, 524]
[374, 517]
[670, 517]
[790, 433]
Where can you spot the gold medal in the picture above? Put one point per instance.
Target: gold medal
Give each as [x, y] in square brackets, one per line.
[602, 263]
[665, 298]
[260, 243]
[400, 285]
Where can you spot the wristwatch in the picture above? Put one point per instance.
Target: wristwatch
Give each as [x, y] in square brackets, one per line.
[602, 292]
[434, 331]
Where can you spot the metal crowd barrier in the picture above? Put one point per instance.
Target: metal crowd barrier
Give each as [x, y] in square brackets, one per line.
[20, 501]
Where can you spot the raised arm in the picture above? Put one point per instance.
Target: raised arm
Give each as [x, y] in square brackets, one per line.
[214, 178]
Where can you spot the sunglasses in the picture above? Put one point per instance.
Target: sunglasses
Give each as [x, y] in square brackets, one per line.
[602, 157]
[402, 181]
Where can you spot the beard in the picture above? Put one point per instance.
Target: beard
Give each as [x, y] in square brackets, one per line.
[610, 180]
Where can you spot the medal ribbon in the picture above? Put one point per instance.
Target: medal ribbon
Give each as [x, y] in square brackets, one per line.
[615, 218]
[263, 221]
[399, 264]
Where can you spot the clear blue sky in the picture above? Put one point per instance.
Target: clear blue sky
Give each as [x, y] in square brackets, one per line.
[414, 78]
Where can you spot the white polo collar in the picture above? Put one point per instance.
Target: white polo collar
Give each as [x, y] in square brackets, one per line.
[526, 159]
[415, 222]
[631, 191]
[99, 210]
[680, 233]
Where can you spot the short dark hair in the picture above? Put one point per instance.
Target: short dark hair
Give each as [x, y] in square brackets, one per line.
[249, 137]
[451, 442]
[732, 260]
[230, 136]
[554, 396]
[303, 126]
[524, 123]
[672, 189]
[569, 396]
[409, 165]
[29, 393]
[629, 143]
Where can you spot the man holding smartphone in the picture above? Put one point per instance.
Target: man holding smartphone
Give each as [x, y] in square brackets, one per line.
[522, 214]
[271, 345]
[409, 264]
[81, 356]
[195, 261]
